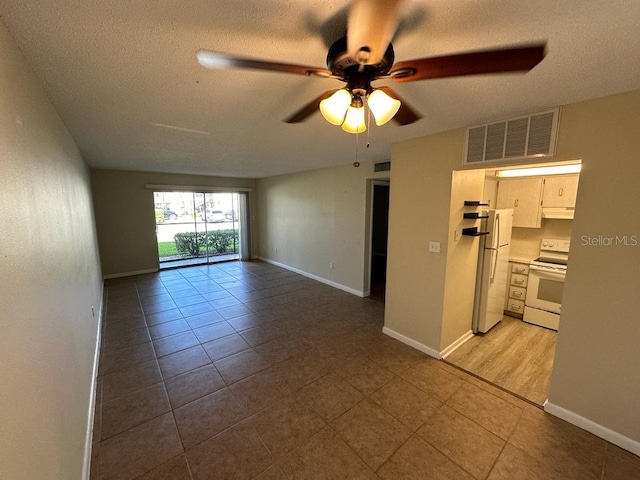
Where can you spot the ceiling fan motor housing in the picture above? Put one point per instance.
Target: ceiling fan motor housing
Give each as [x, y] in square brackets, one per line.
[343, 66]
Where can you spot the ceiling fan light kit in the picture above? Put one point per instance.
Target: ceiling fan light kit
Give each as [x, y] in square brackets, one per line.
[339, 108]
[366, 55]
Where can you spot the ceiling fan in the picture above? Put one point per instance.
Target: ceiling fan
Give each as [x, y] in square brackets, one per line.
[366, 55]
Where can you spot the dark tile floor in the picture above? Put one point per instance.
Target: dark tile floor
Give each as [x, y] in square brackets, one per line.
[246, 370]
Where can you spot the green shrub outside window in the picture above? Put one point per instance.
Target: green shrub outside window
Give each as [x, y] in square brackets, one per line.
[195, 244]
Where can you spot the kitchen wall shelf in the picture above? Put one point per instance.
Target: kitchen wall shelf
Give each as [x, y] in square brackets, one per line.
[474, 215]
[473, 232]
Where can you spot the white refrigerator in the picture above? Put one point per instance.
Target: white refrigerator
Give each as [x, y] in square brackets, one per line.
[493, 266]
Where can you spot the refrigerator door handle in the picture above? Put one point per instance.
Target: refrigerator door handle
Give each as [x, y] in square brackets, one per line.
[494, 262]
[497, 236]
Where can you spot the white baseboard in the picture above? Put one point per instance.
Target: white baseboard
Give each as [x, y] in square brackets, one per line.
[315, 277]
[88, 441]
[457, 344]
[605, 433]
[130, 274]
[412, 343]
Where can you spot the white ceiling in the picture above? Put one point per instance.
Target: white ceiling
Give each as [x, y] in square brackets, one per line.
[122, 72]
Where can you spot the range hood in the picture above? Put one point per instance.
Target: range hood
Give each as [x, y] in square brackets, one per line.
[564, 213]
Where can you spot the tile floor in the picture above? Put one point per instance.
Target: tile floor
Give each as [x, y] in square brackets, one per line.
[246, 370]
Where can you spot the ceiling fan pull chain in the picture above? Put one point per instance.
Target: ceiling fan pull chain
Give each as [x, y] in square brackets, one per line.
[368, 125]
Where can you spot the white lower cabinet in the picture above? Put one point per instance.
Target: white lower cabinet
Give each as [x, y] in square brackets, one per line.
[517, 293]
[515, 306]
[517, 289]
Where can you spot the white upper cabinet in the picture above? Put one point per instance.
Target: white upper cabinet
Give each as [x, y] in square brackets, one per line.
[560, 191]
[524, 196]
[535, 198]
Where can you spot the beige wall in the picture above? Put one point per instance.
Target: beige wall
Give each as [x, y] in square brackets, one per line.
[421, 180]
[462, 258]
[596, 375]
[125, 216]
[49, 277]
[490, 191]
[596, 372]
[311, 219]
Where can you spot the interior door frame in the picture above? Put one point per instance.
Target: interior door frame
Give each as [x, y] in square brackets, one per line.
[369, 229]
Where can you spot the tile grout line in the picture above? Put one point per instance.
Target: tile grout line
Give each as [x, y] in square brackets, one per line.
[493, 465]
[200, 343]
[164, 387]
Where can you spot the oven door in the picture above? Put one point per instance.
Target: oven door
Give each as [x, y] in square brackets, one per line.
[545, 288]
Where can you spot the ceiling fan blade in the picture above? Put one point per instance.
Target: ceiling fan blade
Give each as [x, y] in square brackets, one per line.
[472, 63]
[310, 108]
[215, 60]
[405, 114]
[370, 28]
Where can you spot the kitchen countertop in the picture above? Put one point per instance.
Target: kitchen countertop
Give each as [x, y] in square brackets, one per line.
[521, 259]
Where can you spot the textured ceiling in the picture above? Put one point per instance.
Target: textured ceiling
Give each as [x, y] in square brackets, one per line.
[123, 75]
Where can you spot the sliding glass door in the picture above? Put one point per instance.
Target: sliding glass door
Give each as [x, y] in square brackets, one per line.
[198, 227]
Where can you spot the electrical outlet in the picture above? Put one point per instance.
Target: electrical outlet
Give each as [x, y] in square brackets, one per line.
[331, 265]
[456, 235]
[434, 247]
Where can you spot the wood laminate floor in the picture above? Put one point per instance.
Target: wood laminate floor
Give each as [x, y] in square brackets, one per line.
[514, 355]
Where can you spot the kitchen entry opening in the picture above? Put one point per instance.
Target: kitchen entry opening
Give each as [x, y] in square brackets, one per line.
[194, 228]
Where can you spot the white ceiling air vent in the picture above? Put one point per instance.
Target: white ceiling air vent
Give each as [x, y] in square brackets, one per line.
[522, 137]
[382, 167]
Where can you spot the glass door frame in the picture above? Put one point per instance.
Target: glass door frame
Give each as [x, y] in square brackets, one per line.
[206, 213]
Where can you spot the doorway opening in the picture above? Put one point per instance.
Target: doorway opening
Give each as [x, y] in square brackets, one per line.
[379, 235]
[194, 228]
[515, 351]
